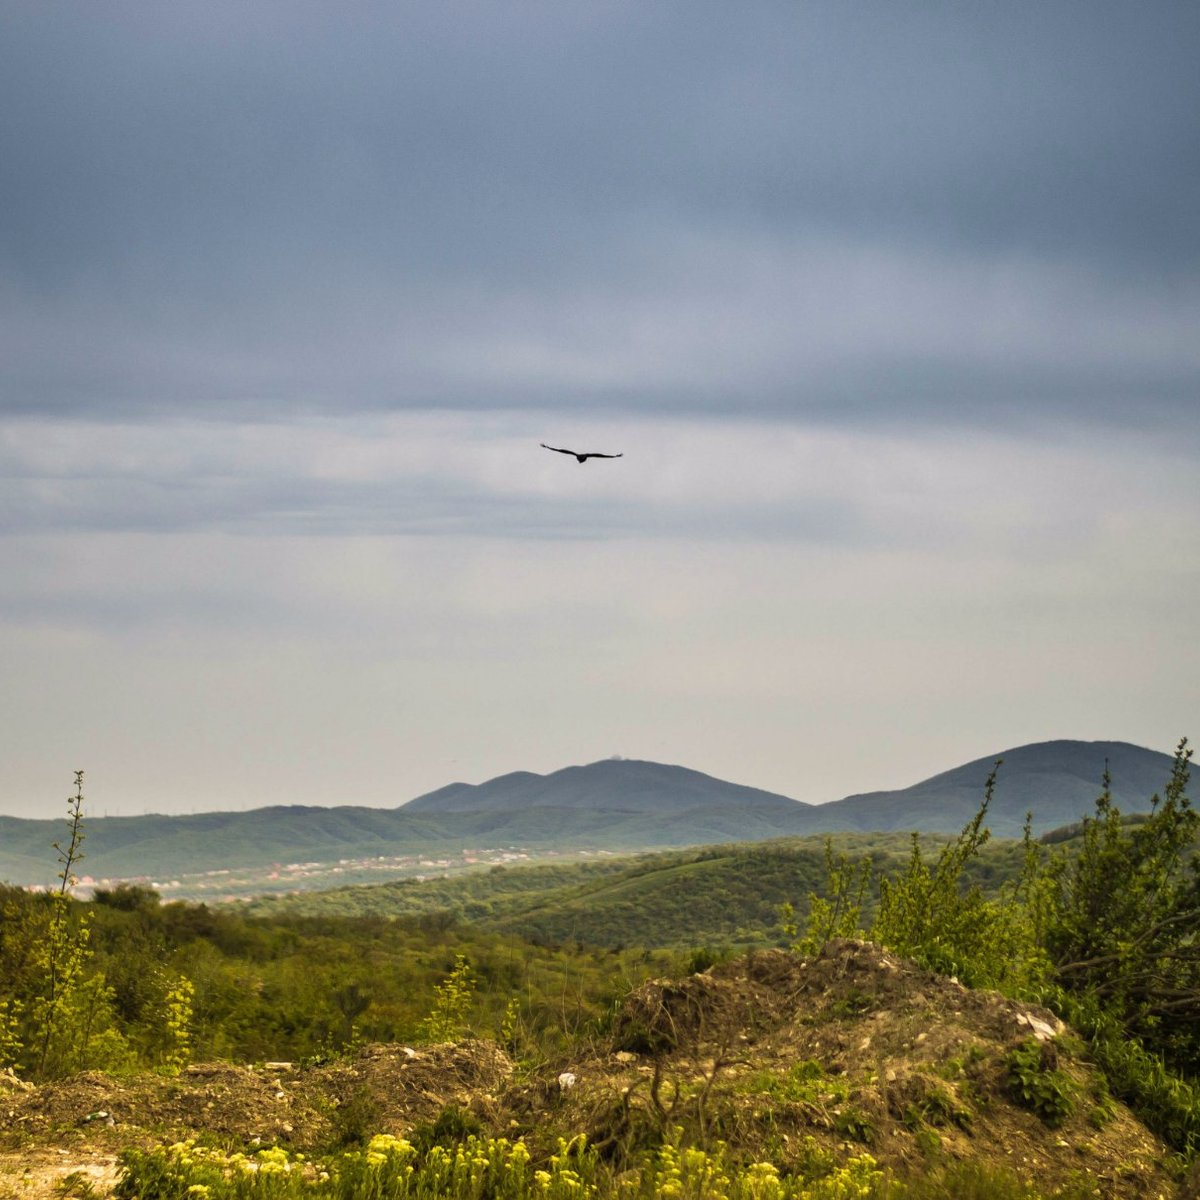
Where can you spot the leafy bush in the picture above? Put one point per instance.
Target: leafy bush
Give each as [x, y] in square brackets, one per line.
[451, 1003]
[1168, 1103]
[1036, 1083]
[1134, 947]
[837, 912]
[56, 1010]
[928, 913]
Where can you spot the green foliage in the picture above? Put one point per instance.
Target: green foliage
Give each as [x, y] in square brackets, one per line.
[391, 1168]
[1123, 914]
[973, 1180]
[56, 1009]
[1166, 1101]
[291, 988]
[510, 1023]
[1103, 1107]
[855, 1124]
[135, 977]
[356, 1119]
[704, 957]
[62, 955]
[803, 1082]
[351, 1000]
[1103, 928]
[1035, 1081]
[708, 902]
[447, 1020]
[712, 898]
[127, 980]
[177, 1019]
[127, 897]
[137, 982]
[838, 911]
[936, 1106]
[928, 1141]
[58, 1016]
[76, 1185]
[932, 914]
[11, 1044]
[452, 1126]
[1119, 914]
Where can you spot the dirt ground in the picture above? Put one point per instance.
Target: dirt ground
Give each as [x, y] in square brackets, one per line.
[851, 1051]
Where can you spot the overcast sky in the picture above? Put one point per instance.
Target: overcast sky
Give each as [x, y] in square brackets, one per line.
[892, 308]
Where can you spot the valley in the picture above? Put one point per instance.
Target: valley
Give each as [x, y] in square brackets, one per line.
[879, 1015]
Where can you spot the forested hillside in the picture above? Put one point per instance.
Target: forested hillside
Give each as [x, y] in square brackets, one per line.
[282, 987]
[713, 896]
[612, 806]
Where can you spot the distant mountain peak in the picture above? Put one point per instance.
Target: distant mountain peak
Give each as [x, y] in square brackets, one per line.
[1053, 779]
[627, 785]
[611, 805]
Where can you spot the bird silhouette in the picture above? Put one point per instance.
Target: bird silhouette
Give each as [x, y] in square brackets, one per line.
[579, 457]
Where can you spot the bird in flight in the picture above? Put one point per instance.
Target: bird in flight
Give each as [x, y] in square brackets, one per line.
[579, 457]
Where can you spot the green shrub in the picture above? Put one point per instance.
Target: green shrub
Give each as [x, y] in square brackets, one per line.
[447, 1021]
[855, 1124]
[1035, 1082]
[452, 1126]
[356, 1119]
[1133, 948]
[930, 914]
[837, 912]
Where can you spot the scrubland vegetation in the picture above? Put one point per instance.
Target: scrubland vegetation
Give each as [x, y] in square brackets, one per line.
[1101, 927]
[722, 896]
[154, 986]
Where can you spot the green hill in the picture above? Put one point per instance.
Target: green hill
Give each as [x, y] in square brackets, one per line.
[613, 785]
[712, 896]
[1057, 780]
[614, 805]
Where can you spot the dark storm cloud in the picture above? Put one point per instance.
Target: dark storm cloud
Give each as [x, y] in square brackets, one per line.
[248, 209]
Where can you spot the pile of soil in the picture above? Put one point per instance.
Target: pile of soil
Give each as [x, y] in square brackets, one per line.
[80, 1124]
[848, 1052]
[855, 1050]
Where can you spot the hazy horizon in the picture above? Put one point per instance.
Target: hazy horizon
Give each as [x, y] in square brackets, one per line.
[91, 811]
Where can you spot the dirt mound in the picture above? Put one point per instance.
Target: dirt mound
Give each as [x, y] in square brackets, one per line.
[780, 1057]
[392, 1089]
[78, 1125]
[857, 1049]
[747, 999]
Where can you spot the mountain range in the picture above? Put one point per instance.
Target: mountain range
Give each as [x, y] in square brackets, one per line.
[615, 804]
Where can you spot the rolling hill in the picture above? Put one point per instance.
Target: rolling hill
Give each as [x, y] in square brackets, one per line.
[714, 895]
[613, 805]
[614, 784]
[1057, 780]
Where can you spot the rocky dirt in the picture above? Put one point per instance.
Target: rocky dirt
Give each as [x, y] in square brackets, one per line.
[852, 1050]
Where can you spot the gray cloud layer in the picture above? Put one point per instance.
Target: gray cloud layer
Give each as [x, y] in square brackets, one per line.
[666, 208]
[892, 308]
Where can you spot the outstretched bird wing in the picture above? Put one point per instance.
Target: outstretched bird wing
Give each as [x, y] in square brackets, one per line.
[578, 454]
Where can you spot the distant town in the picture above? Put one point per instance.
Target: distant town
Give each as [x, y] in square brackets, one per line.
[232, 886]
